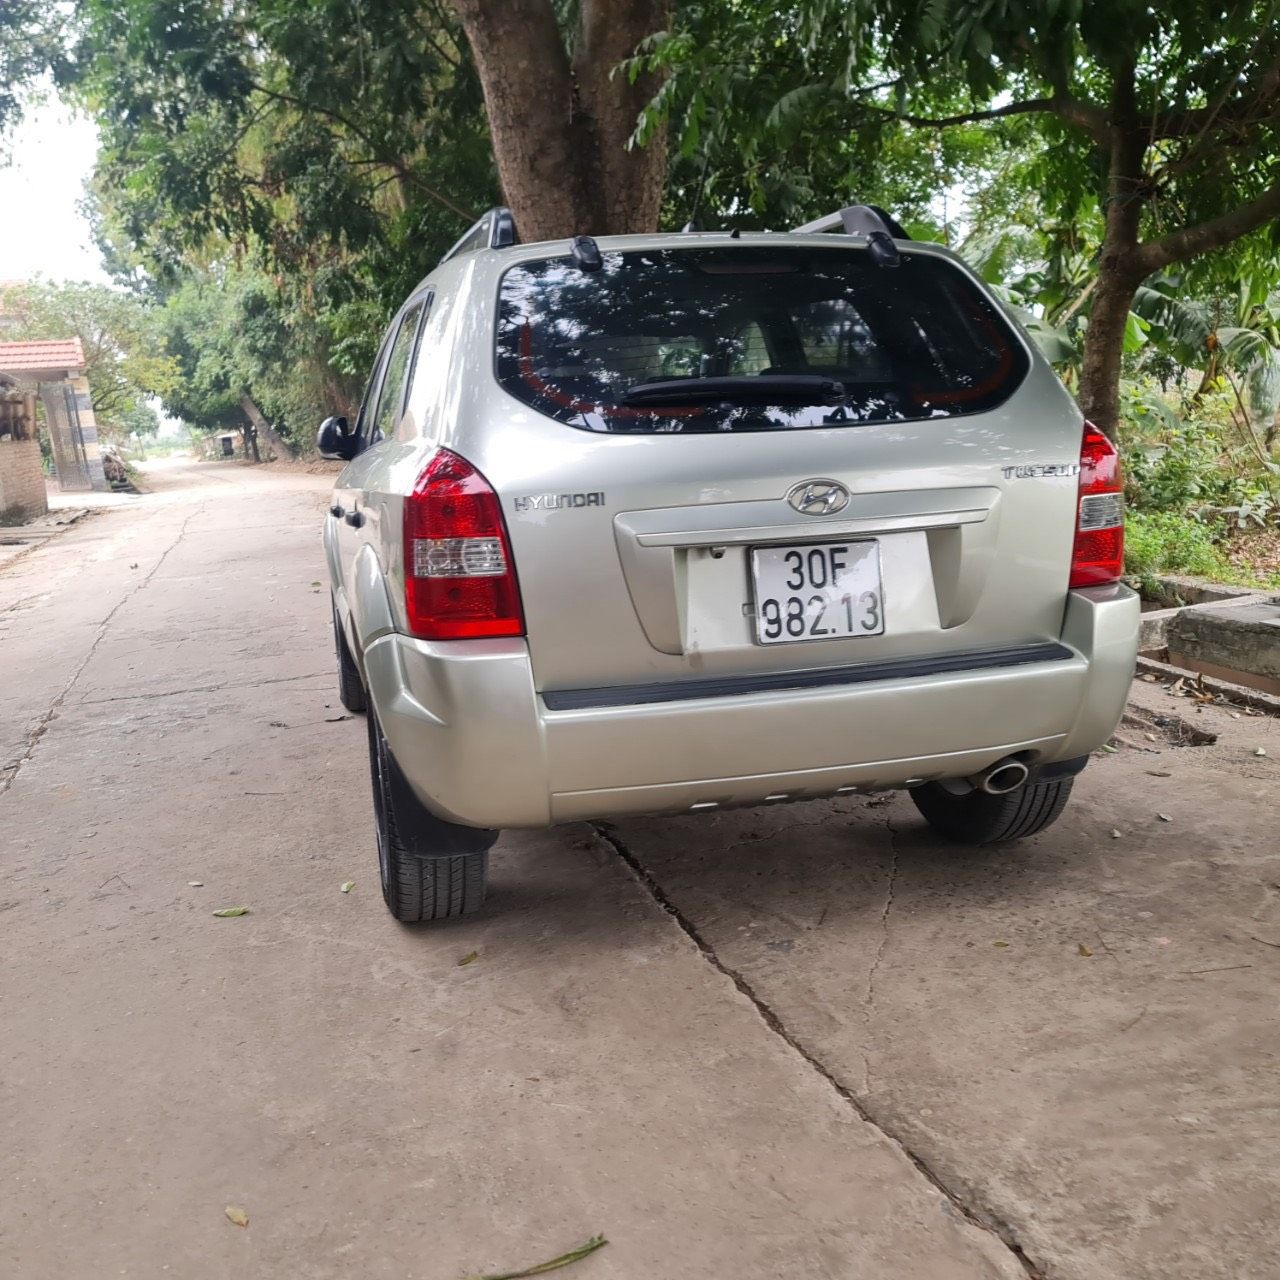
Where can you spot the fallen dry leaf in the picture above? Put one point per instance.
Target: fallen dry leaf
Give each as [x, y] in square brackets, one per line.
[1115, 835]
[470, 958]
[1000, 945]
[1159, 773]
[335, 719]
[196, 884]
[1083, 950]
[237, 1215]
[1259, 751]
[347, 886]
[1164, 817]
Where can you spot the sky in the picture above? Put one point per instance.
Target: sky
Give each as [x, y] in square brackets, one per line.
[42, 232]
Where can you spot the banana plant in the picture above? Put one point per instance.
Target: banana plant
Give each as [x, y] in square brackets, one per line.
[1243, 355]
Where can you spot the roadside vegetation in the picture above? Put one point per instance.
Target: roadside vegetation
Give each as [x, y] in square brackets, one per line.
[275, 177]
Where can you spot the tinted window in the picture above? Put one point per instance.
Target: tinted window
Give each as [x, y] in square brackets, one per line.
[382, 421]
[912, 343]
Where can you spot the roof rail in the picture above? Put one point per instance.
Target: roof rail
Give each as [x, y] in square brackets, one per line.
[856, 223]
[495, 230]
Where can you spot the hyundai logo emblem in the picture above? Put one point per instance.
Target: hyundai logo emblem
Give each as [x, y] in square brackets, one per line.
[818, 497]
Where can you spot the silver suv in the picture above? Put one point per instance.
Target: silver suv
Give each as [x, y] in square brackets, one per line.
[672, 523]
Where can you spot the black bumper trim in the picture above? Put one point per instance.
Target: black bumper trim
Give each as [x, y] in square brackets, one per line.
[628, 695]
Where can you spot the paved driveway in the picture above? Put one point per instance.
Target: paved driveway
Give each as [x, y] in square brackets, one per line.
[795, 1042]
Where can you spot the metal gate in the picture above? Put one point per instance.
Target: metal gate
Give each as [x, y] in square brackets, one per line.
[63, 420]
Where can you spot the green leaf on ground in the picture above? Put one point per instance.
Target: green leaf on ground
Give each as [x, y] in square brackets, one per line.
[348, 885]
[564, 1260]
[228, 912]
[470, 958]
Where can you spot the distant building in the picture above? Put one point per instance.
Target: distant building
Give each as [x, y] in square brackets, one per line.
[52, 373]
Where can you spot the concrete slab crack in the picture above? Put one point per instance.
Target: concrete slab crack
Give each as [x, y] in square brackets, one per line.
[205, 688]
[869, 998]
[978, 1216]
[41, 726]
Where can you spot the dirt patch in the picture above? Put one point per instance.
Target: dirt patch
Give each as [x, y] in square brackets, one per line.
[1256, 553]
[1163, 728]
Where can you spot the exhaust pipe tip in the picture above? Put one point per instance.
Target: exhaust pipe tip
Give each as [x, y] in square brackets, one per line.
[1002, 777]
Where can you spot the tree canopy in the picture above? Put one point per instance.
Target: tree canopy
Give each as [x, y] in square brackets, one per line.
[126, 362]
[278, 175]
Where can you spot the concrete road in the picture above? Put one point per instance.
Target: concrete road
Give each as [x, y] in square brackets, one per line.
[795, 1042]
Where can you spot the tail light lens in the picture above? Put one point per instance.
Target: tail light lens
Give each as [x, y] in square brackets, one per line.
[1098, 555]
[459, 577]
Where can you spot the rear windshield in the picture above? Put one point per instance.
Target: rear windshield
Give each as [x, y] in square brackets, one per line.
[889, 344]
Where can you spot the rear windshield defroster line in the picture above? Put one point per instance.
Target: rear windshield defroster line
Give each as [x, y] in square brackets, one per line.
[914, 344]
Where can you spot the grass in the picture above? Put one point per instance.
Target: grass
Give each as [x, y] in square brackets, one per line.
[1170, 542]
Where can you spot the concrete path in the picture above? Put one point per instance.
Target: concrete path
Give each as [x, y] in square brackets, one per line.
[799, 1042]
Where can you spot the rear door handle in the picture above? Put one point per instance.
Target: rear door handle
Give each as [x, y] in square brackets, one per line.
[336, 511]
[355, 519]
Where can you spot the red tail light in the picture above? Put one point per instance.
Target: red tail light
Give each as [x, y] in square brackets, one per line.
[1098, 555]
[459, 577]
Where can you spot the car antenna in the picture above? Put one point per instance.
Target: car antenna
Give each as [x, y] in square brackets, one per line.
[586, 254]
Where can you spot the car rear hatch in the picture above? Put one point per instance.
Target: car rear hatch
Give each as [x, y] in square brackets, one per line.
[897, 484]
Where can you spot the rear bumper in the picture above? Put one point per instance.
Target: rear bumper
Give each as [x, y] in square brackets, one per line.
[482, 747]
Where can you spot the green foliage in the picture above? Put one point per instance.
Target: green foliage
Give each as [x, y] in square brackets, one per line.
[1171, 542]
[29, 45]
[314, 163]
[125, 359]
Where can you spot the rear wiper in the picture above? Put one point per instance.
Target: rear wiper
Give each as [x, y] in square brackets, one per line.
[766, 388]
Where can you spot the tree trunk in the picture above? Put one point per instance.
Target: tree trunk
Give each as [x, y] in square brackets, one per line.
[263, 428]
[559, 127]
[249, 438]
[1099, 393]
[631, 180]
[1120, 267]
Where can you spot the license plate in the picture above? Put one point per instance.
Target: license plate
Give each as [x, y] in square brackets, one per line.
[819, 591]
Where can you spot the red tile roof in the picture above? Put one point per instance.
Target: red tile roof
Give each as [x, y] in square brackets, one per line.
[40, 357]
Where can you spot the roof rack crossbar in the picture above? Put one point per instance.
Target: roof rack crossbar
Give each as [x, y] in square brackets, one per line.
[855, 214]
[494, 230]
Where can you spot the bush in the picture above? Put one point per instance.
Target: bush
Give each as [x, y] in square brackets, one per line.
[1174, 474]
[1168, 542]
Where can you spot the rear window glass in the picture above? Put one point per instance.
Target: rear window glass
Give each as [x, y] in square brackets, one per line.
[890, 345]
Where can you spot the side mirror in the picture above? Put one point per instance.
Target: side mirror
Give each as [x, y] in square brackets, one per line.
[335, 440]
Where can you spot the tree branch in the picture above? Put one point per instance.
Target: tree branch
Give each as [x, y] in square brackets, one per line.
[1085, 115]
[1213, 233]
[394, 163]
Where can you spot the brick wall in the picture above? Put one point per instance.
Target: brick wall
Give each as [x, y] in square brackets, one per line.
[22, 492]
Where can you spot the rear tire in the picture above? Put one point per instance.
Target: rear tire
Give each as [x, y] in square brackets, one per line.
[430, 869]
[350, 687]
[976, 818]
